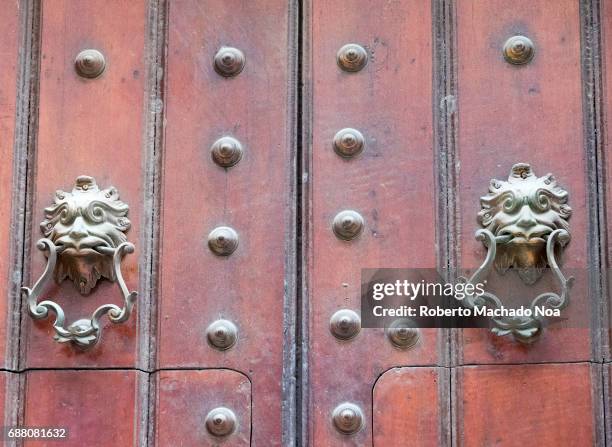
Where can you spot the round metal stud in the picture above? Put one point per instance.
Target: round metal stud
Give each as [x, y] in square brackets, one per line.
[221, 421]
[518, 50]
[223, 241]
[222, 334]
[348, 225]
[402, 333]
[89, 63]
[348, 418]
[345, 324]
[348, 142]
[226, 151]
[229, 61]
[352, 57]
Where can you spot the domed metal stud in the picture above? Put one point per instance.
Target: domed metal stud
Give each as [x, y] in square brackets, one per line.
[229, 61]
[352, 57]
[518, 50]
[348, 225]
[222, 334]
[402, 333]
[221, 422]
[89, 63]
[223, 241]
[348, 418]
[226, 151]
[348, 142]
[345, 324]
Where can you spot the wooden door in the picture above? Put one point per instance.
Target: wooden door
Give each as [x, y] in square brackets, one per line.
[269, 151]
[146, 125]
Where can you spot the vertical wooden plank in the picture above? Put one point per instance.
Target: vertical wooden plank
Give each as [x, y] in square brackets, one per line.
[406, 408]
[533, 114]
[518, 405]
[3, 377]
[185, 398]
[607, 398]
[253, 287]
[92, 127]
[391, 184]
[9, 46]
[606, 165]
[606, 161]
[97, 407]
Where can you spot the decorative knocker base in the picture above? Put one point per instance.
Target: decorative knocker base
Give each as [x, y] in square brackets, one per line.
[524, 329]
[526, 229]
[85, 242]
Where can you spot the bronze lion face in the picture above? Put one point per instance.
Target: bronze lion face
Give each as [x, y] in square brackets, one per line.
[522, 212]
[85, 225]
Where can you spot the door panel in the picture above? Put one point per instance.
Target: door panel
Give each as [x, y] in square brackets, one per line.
[97, 407]
[525, 405]
[3, 379]
[186, 398]
[408, 407]
[9, 23]
[607, 399]
[530, 113]
[252, 287]
[391, 184]
[91, 127]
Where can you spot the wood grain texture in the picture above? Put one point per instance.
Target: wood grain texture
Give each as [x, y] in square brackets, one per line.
[3, 380]
[97, 407]
[606, 51]
[252, 286]
[525, 405]
[391, 184]
[9, 47]
[186, 397]
[533, 114]
[92, 127]
[607, 398]
[406, 409]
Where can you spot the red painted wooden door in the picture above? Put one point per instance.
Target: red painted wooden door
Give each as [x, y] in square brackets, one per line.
[216, 123]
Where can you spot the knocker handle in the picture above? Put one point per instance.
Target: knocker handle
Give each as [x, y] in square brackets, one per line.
[524, 329]
[85, 333]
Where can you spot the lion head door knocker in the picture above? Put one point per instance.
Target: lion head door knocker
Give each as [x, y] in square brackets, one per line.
[525, 230]
[84, 241]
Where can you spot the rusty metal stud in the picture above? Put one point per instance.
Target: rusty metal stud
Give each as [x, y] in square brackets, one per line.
[226, 151]
[402, 333]
[348, 418]
[348, 225]
[348, 142]
[222, 334]
[229, 61]
[345, 324]
[352, 57]
[223, 241]
[221, 421]
[89, 63]
[518, 50]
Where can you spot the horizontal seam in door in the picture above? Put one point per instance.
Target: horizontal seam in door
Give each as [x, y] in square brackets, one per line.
[196, 368]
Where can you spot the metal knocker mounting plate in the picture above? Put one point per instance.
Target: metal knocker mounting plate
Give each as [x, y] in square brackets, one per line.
[84, 241]
[525, 229]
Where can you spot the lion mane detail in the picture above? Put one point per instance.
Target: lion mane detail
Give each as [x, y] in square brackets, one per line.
[83, 224]
[522, 212]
